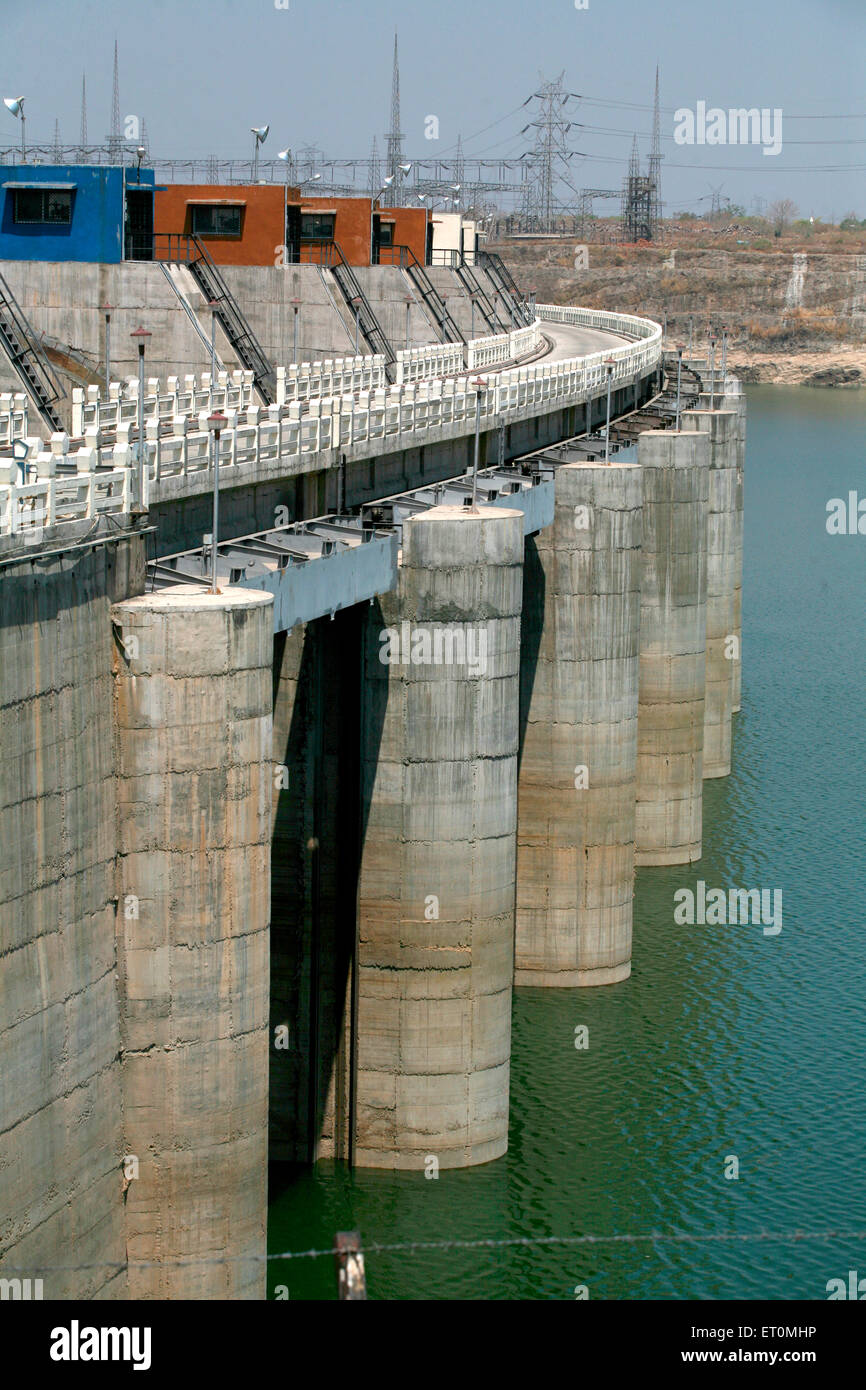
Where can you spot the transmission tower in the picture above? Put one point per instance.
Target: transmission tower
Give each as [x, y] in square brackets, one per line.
[82, 134]
[57, 145]
[394, 152]
[115, 137]
[655, 169]
[637, 197]
[375, 169]
[548, 160]
[144, 141]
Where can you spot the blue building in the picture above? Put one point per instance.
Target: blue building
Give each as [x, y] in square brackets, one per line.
[78, 212]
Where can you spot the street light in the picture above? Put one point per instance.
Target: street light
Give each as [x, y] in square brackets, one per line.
[16, 106]
[213, 305]
[216, 423]
[713, 372]
[140, 336]
[610, 364]
[679, 379]
[480, 385]
[106, 309]
[724, 356]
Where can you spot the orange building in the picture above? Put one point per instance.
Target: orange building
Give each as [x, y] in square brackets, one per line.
[240, 224]
[247, 224]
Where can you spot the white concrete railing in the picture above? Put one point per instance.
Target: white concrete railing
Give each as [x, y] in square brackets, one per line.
[503, 347]
[259, 435]
[425, 363]
[90, 410]
[334, 376]
[13, 416]
[27, 510]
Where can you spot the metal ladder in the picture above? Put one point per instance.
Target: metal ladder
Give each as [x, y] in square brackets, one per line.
[28, 358]
[350, 288]
[468, 277]
[235, 326]
[505, 282]
[434, 301]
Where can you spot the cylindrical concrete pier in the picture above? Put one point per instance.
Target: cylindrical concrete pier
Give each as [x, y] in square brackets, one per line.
[579, 708]
[735, 399]
[722, 428]
[436, 901]
[193, 720]
[672, 647]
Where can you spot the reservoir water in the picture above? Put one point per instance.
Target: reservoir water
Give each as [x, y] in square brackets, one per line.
[725, 1043]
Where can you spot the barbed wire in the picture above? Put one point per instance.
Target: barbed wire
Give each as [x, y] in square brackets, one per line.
[481, 1243]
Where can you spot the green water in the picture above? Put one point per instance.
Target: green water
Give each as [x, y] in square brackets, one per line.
[724, 1041]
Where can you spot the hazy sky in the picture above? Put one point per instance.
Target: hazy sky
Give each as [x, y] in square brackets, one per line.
[201, 72]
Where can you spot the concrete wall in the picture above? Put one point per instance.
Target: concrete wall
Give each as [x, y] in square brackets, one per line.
[61, 1135]
[436, 898]
[192, 695]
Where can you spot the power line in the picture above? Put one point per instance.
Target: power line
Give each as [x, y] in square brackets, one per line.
[482, 1243]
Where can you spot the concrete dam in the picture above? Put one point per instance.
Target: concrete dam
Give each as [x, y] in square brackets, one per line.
[295, 794]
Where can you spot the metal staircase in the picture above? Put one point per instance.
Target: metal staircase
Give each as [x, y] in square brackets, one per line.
[350, 288]
[186, 249]
[31, 365]
[434, 301]
[473, 286]
[505, 282]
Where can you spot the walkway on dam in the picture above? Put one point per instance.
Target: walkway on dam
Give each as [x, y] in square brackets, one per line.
[570, 340]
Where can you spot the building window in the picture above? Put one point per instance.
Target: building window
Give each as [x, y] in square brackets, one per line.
[42, 205]
[317, 226]
[386, 233]
[212, 219]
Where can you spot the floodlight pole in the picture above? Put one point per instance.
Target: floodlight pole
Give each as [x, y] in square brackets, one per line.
[679, 380]
[216, 422]
[106, 309]
[609, 366]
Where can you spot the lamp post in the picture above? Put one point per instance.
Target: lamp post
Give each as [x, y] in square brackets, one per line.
[140, 336]
[472, 298]
[356, 305]
[213, 305]
[296, 304]
[679, 379]
[106, 309]
[15, 105]
[724, 355]
[216, 423]
[408, 311]
[609, 363]
[713, 372]
[261, 134]
[480, 385]
[691, 326]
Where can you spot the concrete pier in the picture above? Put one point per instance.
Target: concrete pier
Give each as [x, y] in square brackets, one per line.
[437, 879]
[193, 713]
[579, 712]
[672, 647]
[722, 428]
